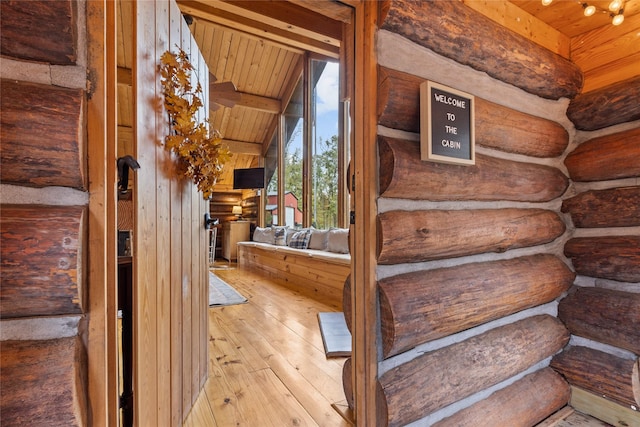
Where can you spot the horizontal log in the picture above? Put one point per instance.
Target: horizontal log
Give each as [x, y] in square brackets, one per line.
[421, 306]
[42, 383]
[347, 385]
[404, 175]
[615, 207]
[600, 373]
[346, 302]
[604, 315]
[608, 106]
[42, 31]
[458, 32]
[615, 258]
[496, 127]
[41, 141]
[436, 379]
[415, 236]
[42, 260]
[608, 157]
[523, 403]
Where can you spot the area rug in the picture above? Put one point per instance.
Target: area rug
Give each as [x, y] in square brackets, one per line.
[221, 293]
[335, 334]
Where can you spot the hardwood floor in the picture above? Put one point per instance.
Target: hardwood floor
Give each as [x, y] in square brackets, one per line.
[267, 361]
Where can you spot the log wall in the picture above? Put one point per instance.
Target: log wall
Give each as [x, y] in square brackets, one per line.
[469, 253]
[44, 224]
[602, 310]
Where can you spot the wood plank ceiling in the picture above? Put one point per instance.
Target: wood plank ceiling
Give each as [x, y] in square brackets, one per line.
[259, 46]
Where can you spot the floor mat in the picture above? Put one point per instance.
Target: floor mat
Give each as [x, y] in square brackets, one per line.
[221, 293]
[335, 334]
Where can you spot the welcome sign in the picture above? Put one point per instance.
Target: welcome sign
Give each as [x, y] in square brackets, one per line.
[447, 125]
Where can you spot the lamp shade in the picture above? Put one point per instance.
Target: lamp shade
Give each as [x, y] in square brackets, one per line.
[237, 210]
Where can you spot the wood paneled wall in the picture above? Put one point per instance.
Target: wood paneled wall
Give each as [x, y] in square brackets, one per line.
[170, 249]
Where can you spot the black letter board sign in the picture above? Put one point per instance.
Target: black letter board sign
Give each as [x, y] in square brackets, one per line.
[449, 134]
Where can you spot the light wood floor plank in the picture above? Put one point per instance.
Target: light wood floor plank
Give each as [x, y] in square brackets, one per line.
[267, 364]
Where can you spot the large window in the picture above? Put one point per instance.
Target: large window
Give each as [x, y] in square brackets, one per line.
[324, 143]
[310, 153]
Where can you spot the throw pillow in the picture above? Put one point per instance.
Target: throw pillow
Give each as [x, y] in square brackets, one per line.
[280, 235]
[263, 235]
[338, 240]
[300, 239]
[318, 239]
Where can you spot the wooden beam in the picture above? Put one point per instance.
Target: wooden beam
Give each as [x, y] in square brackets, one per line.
[332, 9]
[287, 16]
[260, 103]
[241, 147]
[364, 198]
[603, 409]
[282, 36]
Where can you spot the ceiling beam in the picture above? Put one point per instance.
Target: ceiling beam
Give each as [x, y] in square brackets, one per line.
[333, 9]
[242, 147]
[288, 36]
[287, 16]
[247, 100]
[260, 103]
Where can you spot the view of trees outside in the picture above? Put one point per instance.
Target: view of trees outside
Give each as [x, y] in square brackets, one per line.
[325, 182]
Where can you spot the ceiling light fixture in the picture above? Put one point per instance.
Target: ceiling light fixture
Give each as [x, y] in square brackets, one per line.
[616, 9]
[588, 9]
[617, 19]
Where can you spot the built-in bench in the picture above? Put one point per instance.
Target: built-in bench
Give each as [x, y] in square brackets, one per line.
[320, 272]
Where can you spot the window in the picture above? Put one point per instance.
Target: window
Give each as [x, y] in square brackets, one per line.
[312, 154]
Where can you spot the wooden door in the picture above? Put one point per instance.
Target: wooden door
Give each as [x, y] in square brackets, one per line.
[170, 278]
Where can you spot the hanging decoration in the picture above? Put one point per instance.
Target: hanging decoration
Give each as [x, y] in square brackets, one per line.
[200, 150]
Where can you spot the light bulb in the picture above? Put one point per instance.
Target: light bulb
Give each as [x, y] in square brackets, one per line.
[546, 2]
[615, 5]
[617, 20]
[589, 10]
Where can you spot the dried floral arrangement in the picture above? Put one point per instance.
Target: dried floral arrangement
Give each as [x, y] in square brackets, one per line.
[200, 150]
